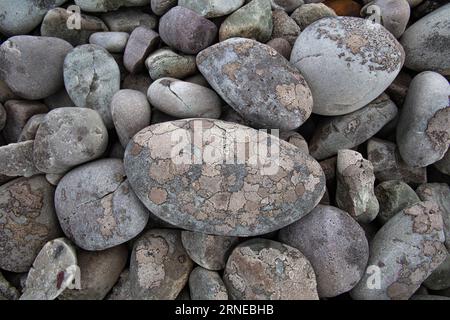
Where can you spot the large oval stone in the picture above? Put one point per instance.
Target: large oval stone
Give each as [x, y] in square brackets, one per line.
[223, 192]
[257, 82]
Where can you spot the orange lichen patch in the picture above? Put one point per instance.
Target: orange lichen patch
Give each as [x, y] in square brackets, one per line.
[344, 7]
[438, 130]
[355, 43]
[107, 221]
[426, 217]
[292, 96]
[150, 260]
[230, 70]
[158, 195]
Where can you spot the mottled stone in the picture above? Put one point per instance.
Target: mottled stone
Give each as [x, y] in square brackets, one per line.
[212, 8]
[128, 19]
[296, 139]
[282, 46]
[166, 63]
[311, 12]
[257, 82]
[217, 194]
[114, 42]
[17, 160]
[27, 221]
[108, 5]
[284, 27]
[31, 127]
[209, 251]
[206, 285]
[423, 130]
[347, 62]
[160, 7]
[261, 269]
[141, 43]
[404, 252]
[96, 207]
[335, 245]
[159, 267]
[68, 137]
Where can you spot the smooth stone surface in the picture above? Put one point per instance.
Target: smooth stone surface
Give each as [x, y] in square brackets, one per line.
[128, 19]
[25, 77]
[92, 77]
[17, 160]
[282, 46]
[186, 30]
[108, 5]
[210, 196]
[160, 7]
[31, 127]
[286, 5]
[183, 99]
[394, 14]
[2, 116]
[258, 83]
[114, 42]
[141, 43]
[96, 208]
[335, 245]
[6, 93]
[284, 27]
[311, 12]
[407, 249]
[166, 63]
[27, 221]
[212, 8]
[131, 113]
[261, 269]
[206, 285]
[68, 137]
[208, 251]
[159, 267]
[347, 62]
[423, 130]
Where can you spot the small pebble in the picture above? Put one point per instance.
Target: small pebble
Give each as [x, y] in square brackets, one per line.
[166, 63]
[114, 42]
[212, 8]
[142, 41]
[282, 46]
[284, 27]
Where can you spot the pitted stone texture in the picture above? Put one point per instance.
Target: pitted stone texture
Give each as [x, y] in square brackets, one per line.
[258, 83]
[261, 269]
[206, 285]
[208, 194]
[208, 251]
[296, 139]
[347, 62]
[96, 207]
[27, 221]
[212, 8]
[335, 245]
[17, 160]
[159, 267]
[166, 63]
[407, 249]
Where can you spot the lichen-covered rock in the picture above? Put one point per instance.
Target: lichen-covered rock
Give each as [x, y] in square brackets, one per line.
[261, 269]
[215, 193]
[311, 12]
[403, 253]
[159, 267]
[423, 130]
[183, 99]
[296, 139]
[114, 42]
[347, 62]
[258, 83]
[209, 251]
[166, 63]
[212, 8]
[394, 14]
[128, 19]
[17, 160]
[96, 207]
[284, 27]
[31, 127]
[25, 77]
[68, 137]
[92, 77]
[108, 5]
[355, 186]
[186, 30]
[351, 130]
[206, 285]
[336, 246]
[27, 221]
[141, 43]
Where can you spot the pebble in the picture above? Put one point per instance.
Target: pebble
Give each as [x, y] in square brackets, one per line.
[238, 201]
[311, 12]
[131, 113]
[296, 139]
[286, 5]
[160, 7]
[355, 192]
[128, 19]
[206, 285]
[254, 21]
[212, 8]
[184, 99]
[141, 43]
[186, 30]
[395, 14]
[208, 251]
[423, 130]
[25, 77]
[31, 127]
[255, 81]
[17, 160]
[347, 62]
[96, 207]
[335, 245]
[284, 27]
[27, 221]
[440, 278]
[92, 77]
[261, 269]
[108, 5]
[167, 63]
[113, 42]
[407, 249]
[282, 46]
[68, 137]
[159, 267]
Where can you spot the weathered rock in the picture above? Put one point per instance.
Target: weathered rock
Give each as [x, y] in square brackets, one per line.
[335, 245]
[347, 62]
[92, 77]
[209, 194]
[68, 137]
[27, 221]
[31, 127]
[122, 289]
[255, 80]
[212, 8]
[404, 252]
[186, 30]
[286, 5]
[7, 291]
[423, 130]
[261, 269]
[108, 5]
[253, 21]
[166, 63]
[17, 160]
[128, 19]
[311, 12]
[284, 27]
[282, 46]
[208, 251]
[184, 99]
[25, 77]
[114, 42]
[206, 285]
[160, 7]
[96, 208]
[440, 278]
[131, 113]
[394, 14]
[159, 267]
[142, 42]
[351, 130]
